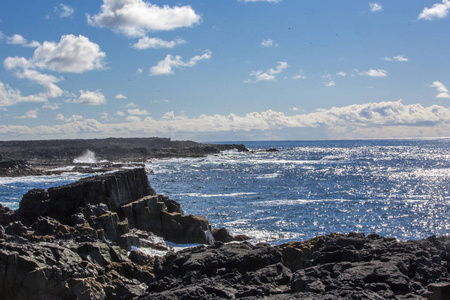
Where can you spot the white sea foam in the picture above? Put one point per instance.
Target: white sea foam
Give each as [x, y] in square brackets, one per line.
[268, 176]
[88, 157]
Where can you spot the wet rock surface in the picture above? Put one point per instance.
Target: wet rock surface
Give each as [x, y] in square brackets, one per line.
[79, 242]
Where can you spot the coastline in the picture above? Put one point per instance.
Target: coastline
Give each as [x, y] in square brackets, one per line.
[72, 242]
[46, 157]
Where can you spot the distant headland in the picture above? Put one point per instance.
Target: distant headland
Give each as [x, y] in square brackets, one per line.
[34, 157]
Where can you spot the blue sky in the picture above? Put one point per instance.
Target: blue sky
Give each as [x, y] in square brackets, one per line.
[224, 70]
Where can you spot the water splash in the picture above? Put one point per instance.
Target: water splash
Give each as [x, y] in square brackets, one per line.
[88, 157]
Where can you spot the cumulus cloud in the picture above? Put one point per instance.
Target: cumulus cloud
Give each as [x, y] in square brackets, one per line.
[375, 73]
[437, 11]
[51, 106]
[382, 119]
[31, 114]
[135, 18]
[401, 58]
[73, 54]
[330, 83]
[17, 39]
[166, 66]
[269, 75]
[268, 43]
[10, 96]
[157, 43]
[299, 75]
[442, 89]
[90, 98]
[120, 113]
[120, 96]
[131, 105]
[64, 11]
[342, 74]
[375, 7]
[138, 112]
[73, 118]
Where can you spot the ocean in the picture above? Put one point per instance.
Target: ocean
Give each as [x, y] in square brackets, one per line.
[394, 188]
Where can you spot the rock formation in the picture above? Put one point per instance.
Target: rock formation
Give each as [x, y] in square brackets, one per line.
[79, 242]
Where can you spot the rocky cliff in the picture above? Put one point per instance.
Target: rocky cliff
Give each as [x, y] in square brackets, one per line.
[79, 242]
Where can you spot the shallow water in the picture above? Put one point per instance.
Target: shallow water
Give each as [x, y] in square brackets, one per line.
[394, 188]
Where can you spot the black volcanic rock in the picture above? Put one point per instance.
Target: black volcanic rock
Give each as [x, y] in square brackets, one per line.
[72, 242]
[57, 152]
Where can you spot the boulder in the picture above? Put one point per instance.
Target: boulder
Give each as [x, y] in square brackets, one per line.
[182, 229]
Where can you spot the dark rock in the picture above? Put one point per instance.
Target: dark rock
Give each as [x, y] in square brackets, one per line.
[183, 229]
[34, 203]
[222, 235]
[438, 291]
[7, 215]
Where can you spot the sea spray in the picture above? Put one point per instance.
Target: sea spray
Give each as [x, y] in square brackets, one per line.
[88, 157]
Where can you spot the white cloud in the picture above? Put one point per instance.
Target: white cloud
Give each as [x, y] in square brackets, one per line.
[139, 71]
[294, 108]
[157, 43]
[442, 89]
[342, 74]
[73, 118]
[133, 119]
[73, 54]
[382, 119]
[51, 106]
[269, 75]
[401, 58]
[131, 105]
[438, 10]
[90, 98]
[135, 18]
[120, 96]
[268, 43]
[375, 7]
[17, 39]
[10, 96]
[31, 114]
[105, 116]
[64, 11]
[161, 101]
[330, 83]
[165, 67]
[120, 113]
[375, 73]
[299, 75]
[138, 112]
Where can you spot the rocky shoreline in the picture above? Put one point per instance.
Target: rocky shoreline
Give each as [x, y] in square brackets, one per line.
[82, 240]
[46, 157]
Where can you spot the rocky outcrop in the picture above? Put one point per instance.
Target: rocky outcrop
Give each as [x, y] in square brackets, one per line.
[14, 168]
[47, 153]
[335, 266]
[77, 242]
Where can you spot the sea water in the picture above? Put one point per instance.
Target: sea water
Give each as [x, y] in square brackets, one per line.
[395, 188]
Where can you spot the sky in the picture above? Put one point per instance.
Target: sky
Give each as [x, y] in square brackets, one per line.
[229, 70]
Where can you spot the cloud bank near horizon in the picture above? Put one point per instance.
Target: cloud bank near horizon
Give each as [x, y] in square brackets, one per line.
[371, 120]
